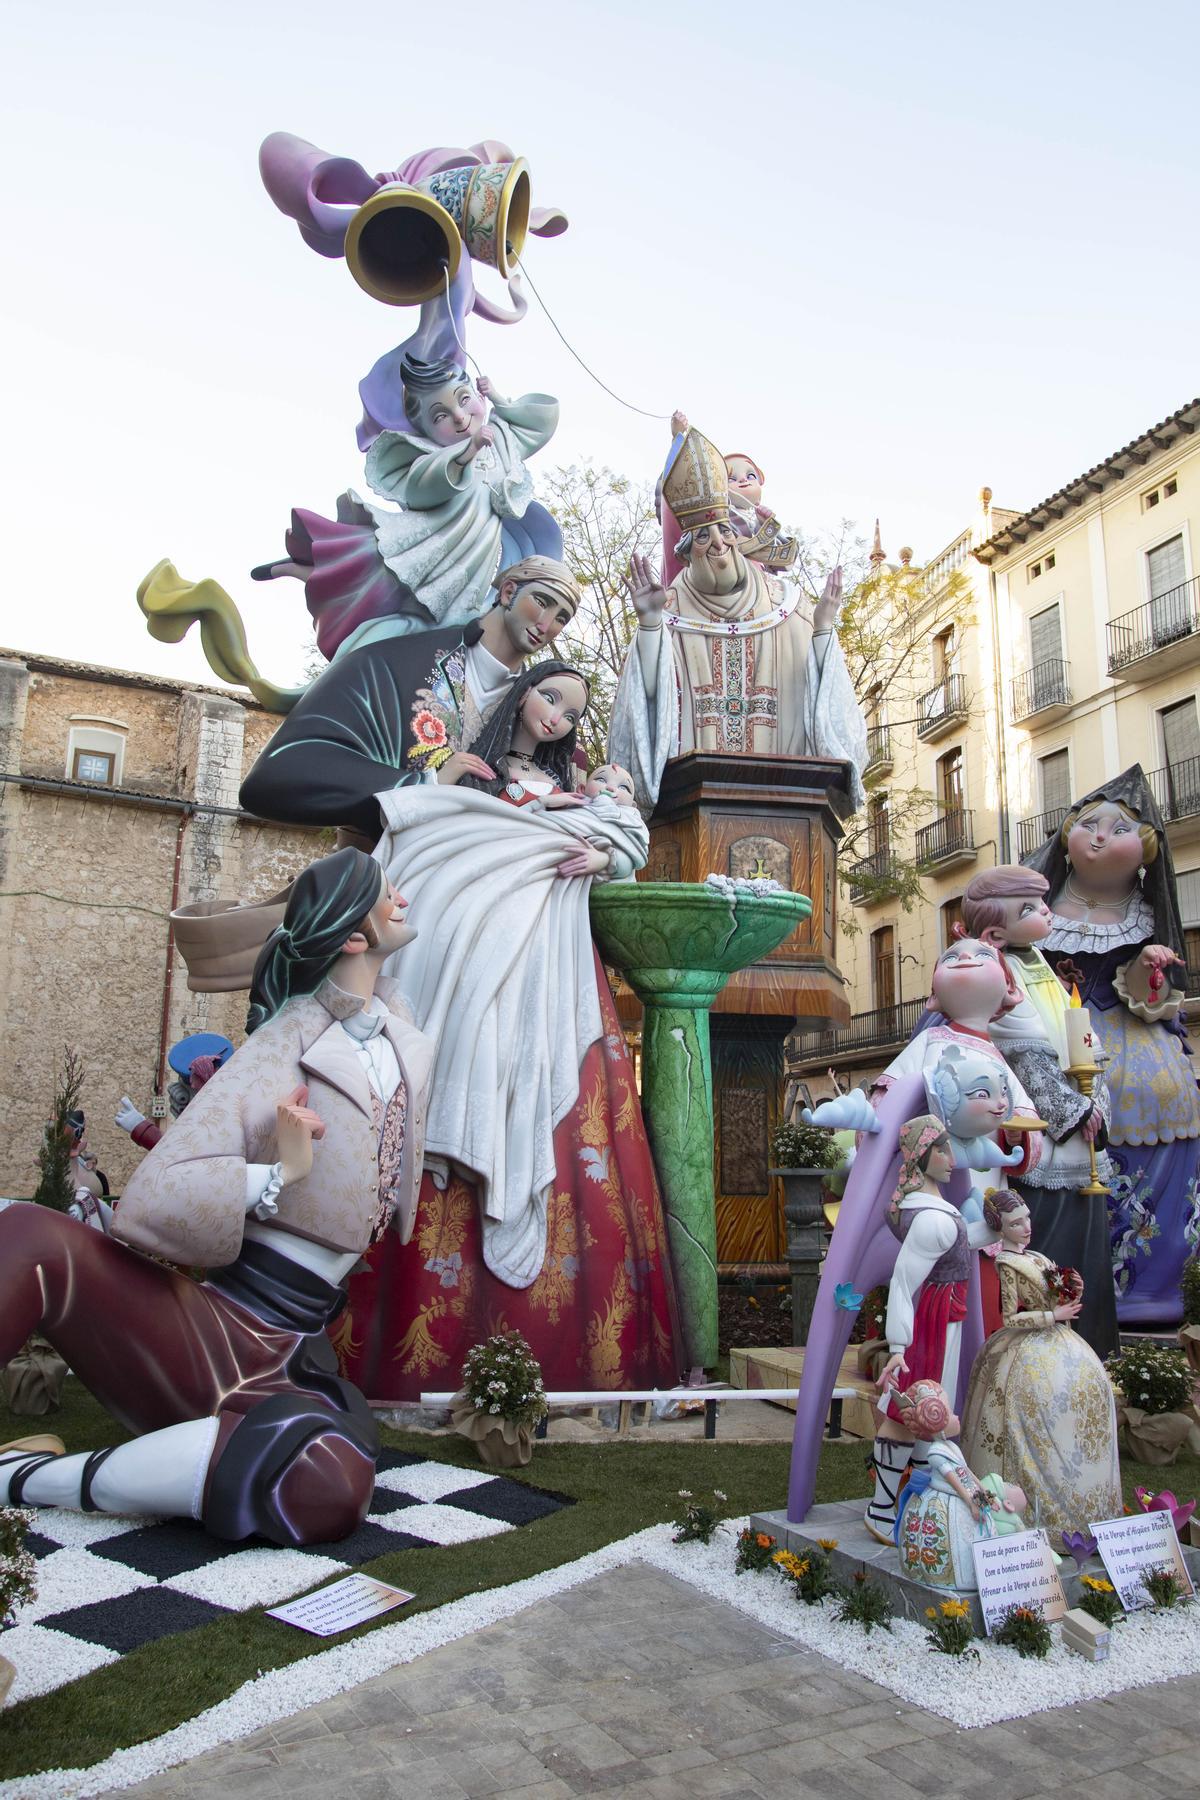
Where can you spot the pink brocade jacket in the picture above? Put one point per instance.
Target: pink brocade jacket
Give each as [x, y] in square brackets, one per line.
[187, 1200]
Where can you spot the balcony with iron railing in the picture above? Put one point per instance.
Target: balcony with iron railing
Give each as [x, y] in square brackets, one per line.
[1161, 635]
[943, 707]
[1032, 833]
[874, 877]
[884, 1028]
[879, 751]
[1044, 689]
[1177, 789]
[950, 839]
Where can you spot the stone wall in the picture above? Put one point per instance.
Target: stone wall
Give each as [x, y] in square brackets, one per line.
[88, 875]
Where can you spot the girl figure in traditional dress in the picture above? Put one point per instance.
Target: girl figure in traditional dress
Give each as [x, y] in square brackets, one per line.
[1040, 1408]
[544, 1214]
[943, 1517]
[927, 1303]
[1116, 935]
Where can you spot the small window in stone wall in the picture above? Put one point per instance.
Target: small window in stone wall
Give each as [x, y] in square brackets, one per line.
[96, 751]
[94, 765]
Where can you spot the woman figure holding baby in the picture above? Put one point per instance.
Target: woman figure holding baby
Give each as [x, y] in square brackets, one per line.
[539, 1210]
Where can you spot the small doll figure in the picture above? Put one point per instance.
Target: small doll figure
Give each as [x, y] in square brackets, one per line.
[763, 539]
[456, 477]
[195, 1060]
[942, 1516]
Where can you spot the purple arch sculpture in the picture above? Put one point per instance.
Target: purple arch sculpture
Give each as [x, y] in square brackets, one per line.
[863, 1251]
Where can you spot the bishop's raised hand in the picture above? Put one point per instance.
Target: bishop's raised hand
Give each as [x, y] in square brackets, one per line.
[646, 592]
[826, 610]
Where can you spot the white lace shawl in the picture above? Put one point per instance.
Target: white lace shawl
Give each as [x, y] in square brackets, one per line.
[501, 976]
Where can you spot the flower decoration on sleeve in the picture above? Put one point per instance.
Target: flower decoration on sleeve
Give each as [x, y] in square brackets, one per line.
[845, 1298]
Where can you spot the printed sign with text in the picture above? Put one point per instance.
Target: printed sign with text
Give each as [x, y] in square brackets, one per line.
[1017, 1570]
[349, 1602]
[1134, 1547]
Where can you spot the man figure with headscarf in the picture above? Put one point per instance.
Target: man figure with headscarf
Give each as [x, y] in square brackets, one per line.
[396, 709]
[745, 664]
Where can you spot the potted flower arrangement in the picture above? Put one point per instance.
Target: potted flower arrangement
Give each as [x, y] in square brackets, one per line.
[501, 1400]
[803, 1155]
[18, 1578]
[1154, 1392]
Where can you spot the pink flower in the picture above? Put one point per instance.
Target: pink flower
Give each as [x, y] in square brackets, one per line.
[1180, 1511]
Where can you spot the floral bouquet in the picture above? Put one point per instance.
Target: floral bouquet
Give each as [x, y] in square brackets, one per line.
[1065, 1285]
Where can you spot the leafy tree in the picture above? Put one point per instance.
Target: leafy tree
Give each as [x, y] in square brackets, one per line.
[54, 1154]
[885, 627]
[605, 520]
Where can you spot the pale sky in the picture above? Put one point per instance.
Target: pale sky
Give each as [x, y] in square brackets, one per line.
[894, 252]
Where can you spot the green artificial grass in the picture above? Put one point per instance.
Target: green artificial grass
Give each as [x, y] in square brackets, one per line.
[618, 1488]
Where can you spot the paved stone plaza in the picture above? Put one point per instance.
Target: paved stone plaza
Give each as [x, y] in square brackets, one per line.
[634, 1684]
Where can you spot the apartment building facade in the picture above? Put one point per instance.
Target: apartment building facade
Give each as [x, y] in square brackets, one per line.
[1076, 653]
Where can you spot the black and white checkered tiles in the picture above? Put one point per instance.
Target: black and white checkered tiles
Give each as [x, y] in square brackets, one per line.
[107, 1585]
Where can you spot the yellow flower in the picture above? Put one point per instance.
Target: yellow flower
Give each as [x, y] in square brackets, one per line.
[955, 1609]
[931, 1612]
[1096, 1584]
[828, 1544]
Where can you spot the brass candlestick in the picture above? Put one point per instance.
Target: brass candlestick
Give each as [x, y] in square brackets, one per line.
[1085, 1075]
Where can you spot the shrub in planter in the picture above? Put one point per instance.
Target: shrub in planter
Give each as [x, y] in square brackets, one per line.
[804, 1147]
[18, 1578]
[1154, 1386]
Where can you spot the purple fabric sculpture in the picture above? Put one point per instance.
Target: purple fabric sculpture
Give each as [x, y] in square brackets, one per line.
[863, 1252]
[322, 193]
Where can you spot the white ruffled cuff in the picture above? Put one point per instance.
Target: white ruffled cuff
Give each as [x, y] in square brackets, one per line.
[264, 1183]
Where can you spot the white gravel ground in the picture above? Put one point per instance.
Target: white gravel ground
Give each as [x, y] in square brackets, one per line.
[1147, 1648]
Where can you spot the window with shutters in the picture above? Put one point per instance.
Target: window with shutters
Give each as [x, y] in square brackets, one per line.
[950, 780]
[883, 966]
[1189, 911]
[1166, 574]
[1046, 673]
[1054, 775]
[879, 825]
[1181, 753]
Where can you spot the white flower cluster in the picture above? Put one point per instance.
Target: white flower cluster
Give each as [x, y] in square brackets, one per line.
[729, 887]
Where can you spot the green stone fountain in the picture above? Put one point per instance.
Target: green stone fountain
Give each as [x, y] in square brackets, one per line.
[677, 943]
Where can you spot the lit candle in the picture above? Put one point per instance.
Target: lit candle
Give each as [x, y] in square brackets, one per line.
[1081, 1039]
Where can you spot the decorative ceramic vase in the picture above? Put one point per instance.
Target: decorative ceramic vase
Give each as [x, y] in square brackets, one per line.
[489, 204]
[501, 1444]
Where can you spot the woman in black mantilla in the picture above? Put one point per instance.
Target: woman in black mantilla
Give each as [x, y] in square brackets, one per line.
[1117, 937]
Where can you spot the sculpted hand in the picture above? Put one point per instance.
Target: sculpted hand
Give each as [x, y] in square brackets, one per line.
[679, 423]
[894, 1366]
[1067, 1311]
[128, 1117]
[460, 763]
[557, 800]
[1156, 959]
[483, 387]
[647, 593]
[296, 1126]
[825, 612]
[587, 860]
[1091, 1126]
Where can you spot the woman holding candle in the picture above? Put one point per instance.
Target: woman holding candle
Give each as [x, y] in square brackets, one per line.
[1116, 936]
